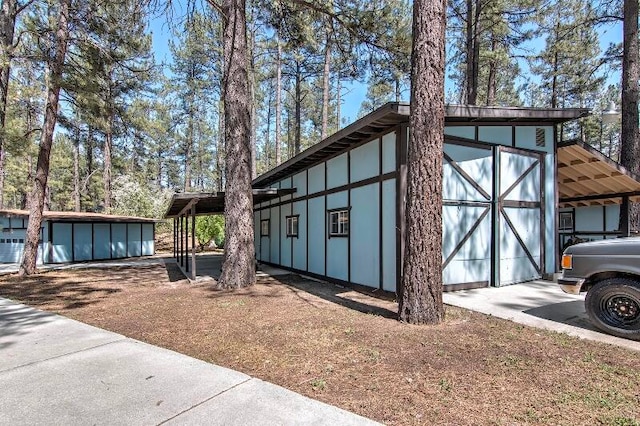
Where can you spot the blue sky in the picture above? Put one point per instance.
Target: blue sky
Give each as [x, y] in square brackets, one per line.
[354, 93]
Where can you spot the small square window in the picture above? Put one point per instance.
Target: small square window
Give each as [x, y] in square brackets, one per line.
[566, 221]
[15, 240]
[264, 228]
[339, 223]
[21, 241]
[292, 226]
[1, 240]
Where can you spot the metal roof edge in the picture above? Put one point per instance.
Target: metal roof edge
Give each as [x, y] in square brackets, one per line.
[388, 108]
[452, 111]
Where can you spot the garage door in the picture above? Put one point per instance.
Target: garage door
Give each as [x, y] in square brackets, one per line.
[520, 218]
[12, 246]
[466, 216]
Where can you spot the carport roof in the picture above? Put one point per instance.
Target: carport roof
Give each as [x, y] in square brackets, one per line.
[207, 203]
[77, 216]
[586, 177]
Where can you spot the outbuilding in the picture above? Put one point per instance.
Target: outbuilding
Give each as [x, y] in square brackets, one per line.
[344, 220]
[75, 237]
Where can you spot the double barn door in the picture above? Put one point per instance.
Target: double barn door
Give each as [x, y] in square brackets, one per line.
[492, 215]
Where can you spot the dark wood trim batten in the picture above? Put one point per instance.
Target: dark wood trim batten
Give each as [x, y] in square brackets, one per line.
[349, 210]
[401, 190]
[380, 221]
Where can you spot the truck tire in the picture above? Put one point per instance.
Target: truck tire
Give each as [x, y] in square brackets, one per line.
[613, 305]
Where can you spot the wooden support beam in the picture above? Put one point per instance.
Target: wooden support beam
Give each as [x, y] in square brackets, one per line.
[193, 242]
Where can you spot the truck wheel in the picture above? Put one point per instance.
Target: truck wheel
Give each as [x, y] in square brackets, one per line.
[614, 307]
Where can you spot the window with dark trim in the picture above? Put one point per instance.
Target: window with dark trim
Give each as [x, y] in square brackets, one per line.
[264, 228]
[565, 222]
[339, 223]
[292, 226]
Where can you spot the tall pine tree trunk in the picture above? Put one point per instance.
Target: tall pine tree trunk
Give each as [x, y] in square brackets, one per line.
[188, 151]
[472, 50]
[421, 287]
[76, 175]
[220, 150]
[491, 80]
[338, 101]
[278, 102]
[7, 28]
[36, 203]
[325, 87]
[630, 150]
[252, 91]
[298, 110]
[106, 171]
[238, 269]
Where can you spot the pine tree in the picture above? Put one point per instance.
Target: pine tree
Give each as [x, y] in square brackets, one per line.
[420, 298]
[37, 196]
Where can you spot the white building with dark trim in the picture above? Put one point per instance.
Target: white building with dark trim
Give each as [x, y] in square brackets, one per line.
[336, 210]
[77, 237]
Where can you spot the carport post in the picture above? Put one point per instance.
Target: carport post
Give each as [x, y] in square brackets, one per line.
[181, 239]
[175, 239]
[193, 242]
[186, 241]
[624, 217]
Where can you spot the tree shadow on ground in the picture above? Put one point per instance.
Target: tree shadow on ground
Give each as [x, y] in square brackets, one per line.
[368, 303]
[67, 293]
[174, 274]
[16, 320]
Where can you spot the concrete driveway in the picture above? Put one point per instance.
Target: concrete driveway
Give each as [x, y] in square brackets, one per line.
[57, 371]
[539, 304]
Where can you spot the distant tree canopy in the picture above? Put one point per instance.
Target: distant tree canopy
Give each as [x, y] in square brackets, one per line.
[126, 118]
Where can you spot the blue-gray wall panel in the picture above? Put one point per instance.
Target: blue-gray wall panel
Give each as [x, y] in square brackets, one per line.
[364, 232]
[82, 241]
[526, 138]
[134, 244]
[317, 235]
[285, 255]
[337, 171]
[119, 240]
[337, 262]
[257, 229]
[62, 238]
[499, 135]
[389, 235]
[466, 132]
[613, 217]
[337, 253]
[337, 200]
[365, 161]
[274, 242]
[101, 241]
[300, 243]
[148, 243]
[389, 152]
[316, 178]
[265, 242]
[300, 184]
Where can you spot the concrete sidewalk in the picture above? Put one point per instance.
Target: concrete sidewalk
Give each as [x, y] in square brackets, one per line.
[540, 304]
[54, 370]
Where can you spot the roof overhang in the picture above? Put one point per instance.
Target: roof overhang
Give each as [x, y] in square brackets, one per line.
[78, 216]
[394, 113]
[586, 177]
[208, 203]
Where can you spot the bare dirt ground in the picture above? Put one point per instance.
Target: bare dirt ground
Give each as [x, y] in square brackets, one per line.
[347, 349]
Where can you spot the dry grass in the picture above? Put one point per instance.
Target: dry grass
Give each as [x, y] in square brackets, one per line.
[347, 349]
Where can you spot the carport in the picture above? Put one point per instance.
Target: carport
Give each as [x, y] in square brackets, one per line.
[591, 189]
[184, 208]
